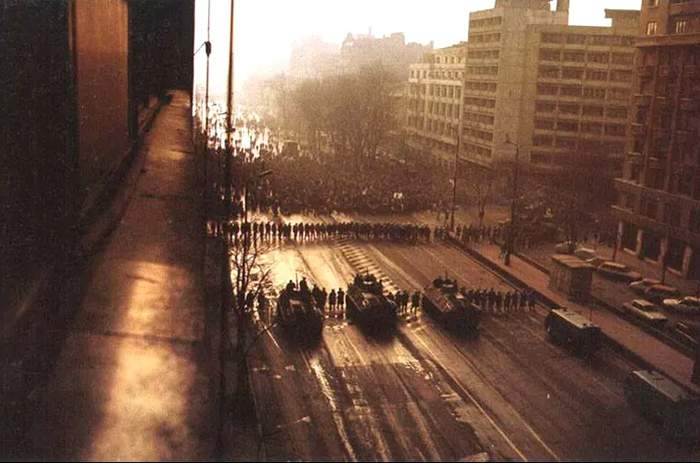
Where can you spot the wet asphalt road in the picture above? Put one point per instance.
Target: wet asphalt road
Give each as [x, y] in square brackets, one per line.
[429, 394]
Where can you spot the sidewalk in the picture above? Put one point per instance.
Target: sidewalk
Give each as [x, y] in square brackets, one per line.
[648, 269]
[662, 357]
[135, 371]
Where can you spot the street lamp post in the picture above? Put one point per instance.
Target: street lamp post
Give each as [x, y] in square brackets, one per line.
[511, 230]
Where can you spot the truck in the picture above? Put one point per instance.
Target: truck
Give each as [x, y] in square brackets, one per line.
[672, 407]
[571, 329]
[368, 306]
[299, 316]
[443, 301]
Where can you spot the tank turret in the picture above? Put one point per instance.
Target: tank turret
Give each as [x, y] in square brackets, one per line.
[368, 306]
[299, 315]
[443, 301]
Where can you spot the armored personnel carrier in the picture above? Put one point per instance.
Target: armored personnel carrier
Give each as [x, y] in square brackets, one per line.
[368, 306]
[443, 301]
[299, 316]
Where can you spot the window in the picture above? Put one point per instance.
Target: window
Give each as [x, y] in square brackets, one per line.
[569, 109]
[545, 107]
[549, 55]
[594, 111]
[546, 89]
[576, 56]
[681, 26]
[596, 75]
[548, 72]
[545, 124]
[570, 90]
[572, 73]
[575, 38]
[617, 130]
[594, 92]
[616, 112]
[542, 140]
[567, 126]
[651, 28]
[653, 3]
[598, 57]
[622, 58]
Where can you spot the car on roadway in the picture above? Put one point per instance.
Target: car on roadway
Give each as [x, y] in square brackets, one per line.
[647, 311]
[589, 256]
[639, 286]
[657, 293]
[687, 305]
[618, 271]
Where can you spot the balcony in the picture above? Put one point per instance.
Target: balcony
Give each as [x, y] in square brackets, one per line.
[642, 100]
[663, 71]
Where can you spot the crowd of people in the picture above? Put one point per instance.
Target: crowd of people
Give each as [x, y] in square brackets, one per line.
[323, 184]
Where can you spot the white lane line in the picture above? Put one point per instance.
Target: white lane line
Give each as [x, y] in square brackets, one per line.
[478, 405]
[532, 431]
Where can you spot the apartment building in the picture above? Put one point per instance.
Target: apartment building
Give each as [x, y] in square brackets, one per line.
[552, 89]
[434, 95]
[658, 204]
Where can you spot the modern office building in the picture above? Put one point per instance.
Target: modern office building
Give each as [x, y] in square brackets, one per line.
[434, 101]
[658, 204]
[550, 88]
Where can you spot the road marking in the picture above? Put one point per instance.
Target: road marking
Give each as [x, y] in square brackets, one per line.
[478, 405]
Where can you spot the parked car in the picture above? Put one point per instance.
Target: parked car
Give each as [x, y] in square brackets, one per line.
[618, 271]
[640, 286]
[657, 293]
[647, 311]
[589, 256]
[687, 305]
[567, 247]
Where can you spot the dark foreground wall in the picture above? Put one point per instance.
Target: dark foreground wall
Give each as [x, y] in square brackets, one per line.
[74, 76]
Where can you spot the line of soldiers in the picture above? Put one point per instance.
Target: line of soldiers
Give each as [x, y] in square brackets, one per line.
[500, 301]
[473, 233]
[335, 300]
[302, 231]
[401, 298]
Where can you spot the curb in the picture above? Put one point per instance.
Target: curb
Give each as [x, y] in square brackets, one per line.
[610, 341]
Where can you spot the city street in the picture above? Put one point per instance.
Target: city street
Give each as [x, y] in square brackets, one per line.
[429, 394]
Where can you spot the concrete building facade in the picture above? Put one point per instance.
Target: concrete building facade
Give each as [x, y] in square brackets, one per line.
[434, 96]
[551, 88]
[658, 204]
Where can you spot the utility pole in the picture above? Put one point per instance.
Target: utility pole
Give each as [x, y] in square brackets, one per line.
[226, 289]
[511, 230]
[459, 145]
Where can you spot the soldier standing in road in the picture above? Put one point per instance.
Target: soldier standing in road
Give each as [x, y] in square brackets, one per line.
[324, 298]
[341, 301]
[415, 302]
[331, 301]
[531, 300]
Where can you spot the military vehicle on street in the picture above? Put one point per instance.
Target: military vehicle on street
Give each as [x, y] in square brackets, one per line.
[443, 301]
[368, 306]
[299, 316]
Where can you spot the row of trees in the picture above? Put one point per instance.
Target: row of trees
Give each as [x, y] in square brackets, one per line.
[352, 112]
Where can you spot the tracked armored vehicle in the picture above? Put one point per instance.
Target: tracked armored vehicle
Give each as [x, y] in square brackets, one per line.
[368, 306]
[443, 301]
[299, 316]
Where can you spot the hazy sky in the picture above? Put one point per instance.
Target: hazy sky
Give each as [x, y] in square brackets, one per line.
[266, 29]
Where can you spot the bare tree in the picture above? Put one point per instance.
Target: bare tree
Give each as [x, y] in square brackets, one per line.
[580, 190]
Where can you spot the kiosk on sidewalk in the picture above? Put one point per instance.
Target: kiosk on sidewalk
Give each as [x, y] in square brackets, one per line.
[571, 276]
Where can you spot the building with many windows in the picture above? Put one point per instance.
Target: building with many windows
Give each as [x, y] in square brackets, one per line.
[658, 203]
[433, 101]
[550, 88]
